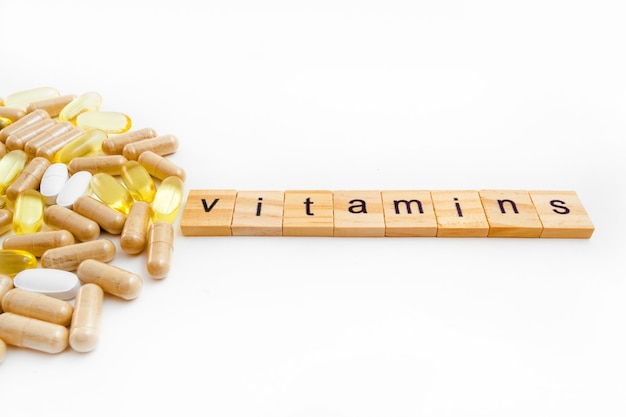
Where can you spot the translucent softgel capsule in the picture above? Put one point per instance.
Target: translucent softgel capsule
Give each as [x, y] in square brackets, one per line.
[111, 192]
[138, 181]
[11, 165]
[13, 262]
[167, 200]
[108, 121]
[90, 101]
[28, 214]
[87, 144]
[22, 99]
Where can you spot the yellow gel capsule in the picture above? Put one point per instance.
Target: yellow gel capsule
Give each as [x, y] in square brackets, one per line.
[28, 214]
[11, 165]
[14, 261]
[90, 101]
[108, 121]
[138, 181]
[111, 192]
[87, 144]
[22, 99]
[167, 200]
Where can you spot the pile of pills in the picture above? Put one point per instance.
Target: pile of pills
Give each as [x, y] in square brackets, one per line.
[68, 172]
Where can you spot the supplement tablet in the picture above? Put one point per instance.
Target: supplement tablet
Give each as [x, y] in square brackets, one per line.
[55, 283]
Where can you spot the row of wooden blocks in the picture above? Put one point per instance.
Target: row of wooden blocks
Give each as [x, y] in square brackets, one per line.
[392, 213]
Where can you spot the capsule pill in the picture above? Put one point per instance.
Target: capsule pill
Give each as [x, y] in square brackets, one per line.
[114, 145]
[90, 101]
[52, 105]
[69, 257]
[160, 247]
[22, 99]
[111, 192]
[159, 166]
[37, 306]
[38, 243]
[108, 164]
[168, 200]
[89, 143]
[107, 121]
[35, 143]
[22, 123]
[29, 178]
[9, 115]
[32, 333]
[84, 331]
[14, 261]
[138, 181]
[112, 279]
[59, 217]
[109, 219]
[3, 350]
[161, 145]
[20, 138]
[51, 147]
[28, 213]
[11, 165]
[134, 235]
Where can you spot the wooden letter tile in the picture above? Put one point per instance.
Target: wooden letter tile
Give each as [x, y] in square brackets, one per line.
[409, 213]
[308, 213]
[258, 213]
[510, 213]
[459, 214]
[562, 214]
[358, 213]
[208, 213]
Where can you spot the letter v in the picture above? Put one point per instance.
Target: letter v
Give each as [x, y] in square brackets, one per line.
[209, 208]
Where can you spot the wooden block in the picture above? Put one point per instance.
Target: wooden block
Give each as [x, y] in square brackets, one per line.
[358, 214]
[562, 214]
[258, 213]
[308, 213]
[459, 214]
[208, 213]
[409, 213]
[510, 213]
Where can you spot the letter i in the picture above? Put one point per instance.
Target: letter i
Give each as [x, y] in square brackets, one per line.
[258, 206]
[458, 207]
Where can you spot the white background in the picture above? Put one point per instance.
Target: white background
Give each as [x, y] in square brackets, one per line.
[351, 95]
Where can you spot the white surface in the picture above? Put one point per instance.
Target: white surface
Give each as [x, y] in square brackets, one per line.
[351, 95]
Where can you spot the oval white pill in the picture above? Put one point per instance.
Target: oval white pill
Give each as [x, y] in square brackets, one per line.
[77, 185]
[52, 182]
[53, 282]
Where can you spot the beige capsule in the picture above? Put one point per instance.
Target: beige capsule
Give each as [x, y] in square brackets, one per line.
[112, 279]
[38, 243]
[52, 106]
[58, 129]
[11, 114]
[159, 166]
[69, 257]
[108, 218]
[23, 122]
[50, 148]
[33, 333]
[160, 247]
[134, 235]
[6, 285]
[29, 178]
[161, 145]
[84, 332]
[3, 149]
[114, 144]
[59, 217]
[19, 139]
[109, 164]
[37, 306]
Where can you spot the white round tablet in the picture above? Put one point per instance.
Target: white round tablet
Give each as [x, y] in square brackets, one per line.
[77, 185]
